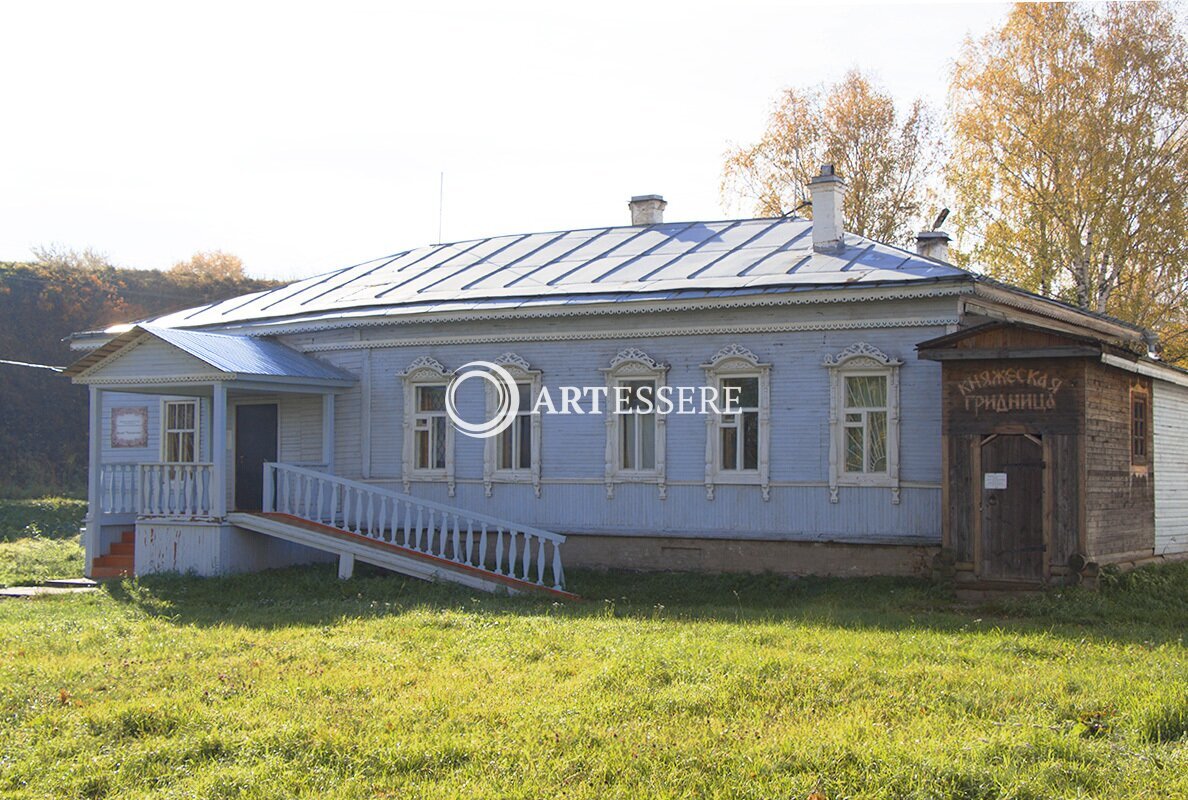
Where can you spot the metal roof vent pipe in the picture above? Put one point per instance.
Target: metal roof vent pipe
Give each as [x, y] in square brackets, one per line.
[647, 209]
[827, 191]
[934, 243]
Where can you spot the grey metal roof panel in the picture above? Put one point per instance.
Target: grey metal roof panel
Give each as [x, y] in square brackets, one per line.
[246, 355]
[587, 265]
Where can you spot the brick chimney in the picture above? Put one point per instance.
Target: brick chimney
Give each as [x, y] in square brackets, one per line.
[827, 190]
[933, 244]
[647, 209]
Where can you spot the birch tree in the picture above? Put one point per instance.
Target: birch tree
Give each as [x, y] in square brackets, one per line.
[1070, 157]
[885, 156]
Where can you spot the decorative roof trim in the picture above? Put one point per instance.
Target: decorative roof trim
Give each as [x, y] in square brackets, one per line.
[862, 350]
[621, 333]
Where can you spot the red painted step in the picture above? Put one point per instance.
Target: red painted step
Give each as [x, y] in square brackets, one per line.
[119, 561]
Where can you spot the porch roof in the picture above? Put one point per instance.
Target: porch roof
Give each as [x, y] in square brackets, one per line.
[225, 356]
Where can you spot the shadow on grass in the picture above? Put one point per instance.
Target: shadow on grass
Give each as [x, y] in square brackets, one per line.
[1148, 605]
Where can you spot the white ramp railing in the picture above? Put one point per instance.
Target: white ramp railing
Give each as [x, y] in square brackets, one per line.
[453, 534]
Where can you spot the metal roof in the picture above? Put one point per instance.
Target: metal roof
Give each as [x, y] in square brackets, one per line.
[594, 264]
[239, 355]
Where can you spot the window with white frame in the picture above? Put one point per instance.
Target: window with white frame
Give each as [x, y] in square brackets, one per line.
[635, 441]
[428, 435]
[515, 443]
[739, 429]
[635, 402]
[865, 423]
[737, 448]
[179, 431]
[513, 456]
[864, 419]
[429, 426]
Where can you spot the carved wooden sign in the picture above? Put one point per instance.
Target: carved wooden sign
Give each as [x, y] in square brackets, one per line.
[1009, 389]
[129, 426]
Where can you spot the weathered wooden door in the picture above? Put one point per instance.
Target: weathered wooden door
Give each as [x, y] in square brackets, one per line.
[255, 443]
[1012, 529]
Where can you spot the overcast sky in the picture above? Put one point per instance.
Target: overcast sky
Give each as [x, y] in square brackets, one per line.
[305, 137]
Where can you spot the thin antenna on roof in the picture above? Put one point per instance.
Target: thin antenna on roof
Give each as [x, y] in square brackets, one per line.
[440, 203]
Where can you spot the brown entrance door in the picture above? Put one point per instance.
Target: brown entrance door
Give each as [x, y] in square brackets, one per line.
[1012, 515]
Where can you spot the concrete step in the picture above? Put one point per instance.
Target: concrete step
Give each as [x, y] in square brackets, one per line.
[69, 583]
[100, 573]
[128, 537]
[122, 549]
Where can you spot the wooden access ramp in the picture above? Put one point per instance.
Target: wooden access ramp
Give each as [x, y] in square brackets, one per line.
[414, 537]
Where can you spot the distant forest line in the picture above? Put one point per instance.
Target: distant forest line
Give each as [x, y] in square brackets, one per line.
[43, 417]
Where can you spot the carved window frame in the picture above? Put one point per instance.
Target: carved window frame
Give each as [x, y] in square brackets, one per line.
[519, 369]
[633, 364]
[736, 361]
[424, 371]
[862, 359]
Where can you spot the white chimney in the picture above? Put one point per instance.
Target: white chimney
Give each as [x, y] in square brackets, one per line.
[933, 244]
[647, 209]
[827, 191]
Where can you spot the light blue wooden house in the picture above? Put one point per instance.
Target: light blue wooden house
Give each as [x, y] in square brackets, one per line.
[308, 422]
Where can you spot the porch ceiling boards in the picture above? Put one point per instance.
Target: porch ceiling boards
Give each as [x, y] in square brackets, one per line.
[615, 263]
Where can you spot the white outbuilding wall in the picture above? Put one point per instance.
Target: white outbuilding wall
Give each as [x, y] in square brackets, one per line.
[1170, 418]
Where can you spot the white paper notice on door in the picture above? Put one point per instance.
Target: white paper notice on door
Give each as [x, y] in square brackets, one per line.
[994, 480]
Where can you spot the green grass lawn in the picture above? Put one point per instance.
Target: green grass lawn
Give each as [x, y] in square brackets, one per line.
[293, 684]
[39, 539]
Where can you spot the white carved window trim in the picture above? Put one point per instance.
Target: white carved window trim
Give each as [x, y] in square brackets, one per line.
[736, 361]
[857, 360]
[424, 371]
[632, 364]
[492, 473]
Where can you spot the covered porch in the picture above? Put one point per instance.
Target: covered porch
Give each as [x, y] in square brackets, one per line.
[181, 425]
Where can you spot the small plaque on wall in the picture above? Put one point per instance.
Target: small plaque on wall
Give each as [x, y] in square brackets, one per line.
[129, 426]
[994, 480]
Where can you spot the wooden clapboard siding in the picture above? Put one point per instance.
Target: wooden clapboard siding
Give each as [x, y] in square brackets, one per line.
[131, 455]
[1170, 423]
[300, 428]
[1119, 501]
[573, 447]
[154, 358]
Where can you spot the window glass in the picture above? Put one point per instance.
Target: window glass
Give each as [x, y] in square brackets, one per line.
[181, 431]
[431, 398]
[429, 427]
[743, 391]
[866, 391]
[515, 442]
[637, 423]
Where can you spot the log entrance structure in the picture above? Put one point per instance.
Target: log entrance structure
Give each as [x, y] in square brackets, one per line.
[1046, 443]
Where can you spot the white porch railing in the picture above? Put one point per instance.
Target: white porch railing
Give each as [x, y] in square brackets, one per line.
[117, 489]
[454, 534]
[175, 490]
